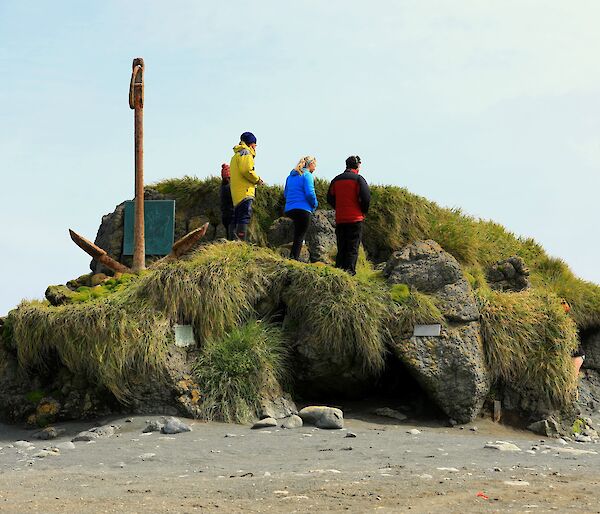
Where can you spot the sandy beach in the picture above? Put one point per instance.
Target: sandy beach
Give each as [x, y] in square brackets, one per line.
[231, 468]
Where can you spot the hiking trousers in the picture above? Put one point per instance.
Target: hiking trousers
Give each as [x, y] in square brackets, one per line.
[301, 219]
[242, 214]
[348, 237]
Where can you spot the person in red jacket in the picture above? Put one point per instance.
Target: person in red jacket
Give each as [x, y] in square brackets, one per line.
[350, 196]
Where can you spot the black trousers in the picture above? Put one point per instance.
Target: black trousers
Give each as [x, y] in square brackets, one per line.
[301, 219]
[348, 237]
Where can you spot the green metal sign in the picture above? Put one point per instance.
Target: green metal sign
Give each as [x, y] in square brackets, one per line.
[159, 226]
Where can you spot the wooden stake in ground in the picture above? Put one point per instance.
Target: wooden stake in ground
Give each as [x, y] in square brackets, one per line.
[136, 102]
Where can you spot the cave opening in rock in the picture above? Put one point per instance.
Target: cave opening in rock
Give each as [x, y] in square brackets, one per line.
[395, 388]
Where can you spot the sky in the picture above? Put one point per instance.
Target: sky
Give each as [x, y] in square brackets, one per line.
[491, 106]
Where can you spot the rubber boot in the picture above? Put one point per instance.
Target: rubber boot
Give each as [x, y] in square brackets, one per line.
[231, 232]
[240, 232]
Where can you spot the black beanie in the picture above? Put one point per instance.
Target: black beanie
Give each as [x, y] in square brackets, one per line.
[352, 162]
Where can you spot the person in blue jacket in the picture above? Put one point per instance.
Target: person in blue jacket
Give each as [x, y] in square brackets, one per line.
[300, 200]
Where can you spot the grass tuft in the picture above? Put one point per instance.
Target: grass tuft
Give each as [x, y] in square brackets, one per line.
[397, 217]
[116, 343]
[215, 290]
[408, 310]
[528, 342]
[234, 370]
[337, 310]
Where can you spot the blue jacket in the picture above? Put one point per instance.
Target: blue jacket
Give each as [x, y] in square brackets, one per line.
[300, 192]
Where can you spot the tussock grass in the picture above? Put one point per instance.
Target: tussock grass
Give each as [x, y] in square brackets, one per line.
[234, 370]
[528, 341]
[112, 341]
[554, 275]
[188, 190]
[455, 232]
[267, 207]
[410, 308]
[329, 307]
[398, 217]
[216, 289]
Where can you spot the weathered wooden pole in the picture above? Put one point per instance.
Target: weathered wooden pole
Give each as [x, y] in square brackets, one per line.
[136, 102]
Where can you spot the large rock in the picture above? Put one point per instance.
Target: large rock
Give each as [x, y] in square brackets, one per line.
[278, 405]
[110, 237]
[546, 427]
[425, 266]
[451, 368]
[510, 274]
[14, 384]
[322, 417]
[320, 238]
[281, 232]
[58, 295]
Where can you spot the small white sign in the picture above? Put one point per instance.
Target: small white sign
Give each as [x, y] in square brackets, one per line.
[428, 330]
[184, 335]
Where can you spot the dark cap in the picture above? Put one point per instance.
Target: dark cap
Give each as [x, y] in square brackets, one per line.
[352, 162]
[248, 137]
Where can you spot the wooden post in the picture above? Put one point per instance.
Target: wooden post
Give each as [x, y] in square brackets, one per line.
[497, 411]
[136, 102]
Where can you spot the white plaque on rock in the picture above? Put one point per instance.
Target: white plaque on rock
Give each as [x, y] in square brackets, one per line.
[428, 330]
[184, 335]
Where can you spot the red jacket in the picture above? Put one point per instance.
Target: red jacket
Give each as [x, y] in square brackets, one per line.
[350, 196]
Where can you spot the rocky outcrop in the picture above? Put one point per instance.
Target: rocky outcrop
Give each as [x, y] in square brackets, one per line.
[426, 267]
[510, 274]
[591, 347]
[320, 238]
[58, 295]
[281, 232]
[14, 385]
[110, 237]
[451, 368]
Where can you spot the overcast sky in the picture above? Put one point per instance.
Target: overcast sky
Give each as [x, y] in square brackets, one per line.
[489, 106]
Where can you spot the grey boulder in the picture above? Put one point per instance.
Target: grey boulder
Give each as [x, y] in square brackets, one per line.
[546, 427]
[426, 267]
[153, 426]
[450, 368]
[265, 423]
[174, 426]
[293, 421]
[323, 417]
[510, 274]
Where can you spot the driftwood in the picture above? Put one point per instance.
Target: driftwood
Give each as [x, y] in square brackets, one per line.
[98, 253]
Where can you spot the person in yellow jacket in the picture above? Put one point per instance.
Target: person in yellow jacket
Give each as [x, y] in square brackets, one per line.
[244, 180]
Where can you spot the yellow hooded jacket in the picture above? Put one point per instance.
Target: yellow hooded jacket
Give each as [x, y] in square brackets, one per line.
[243, 176]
